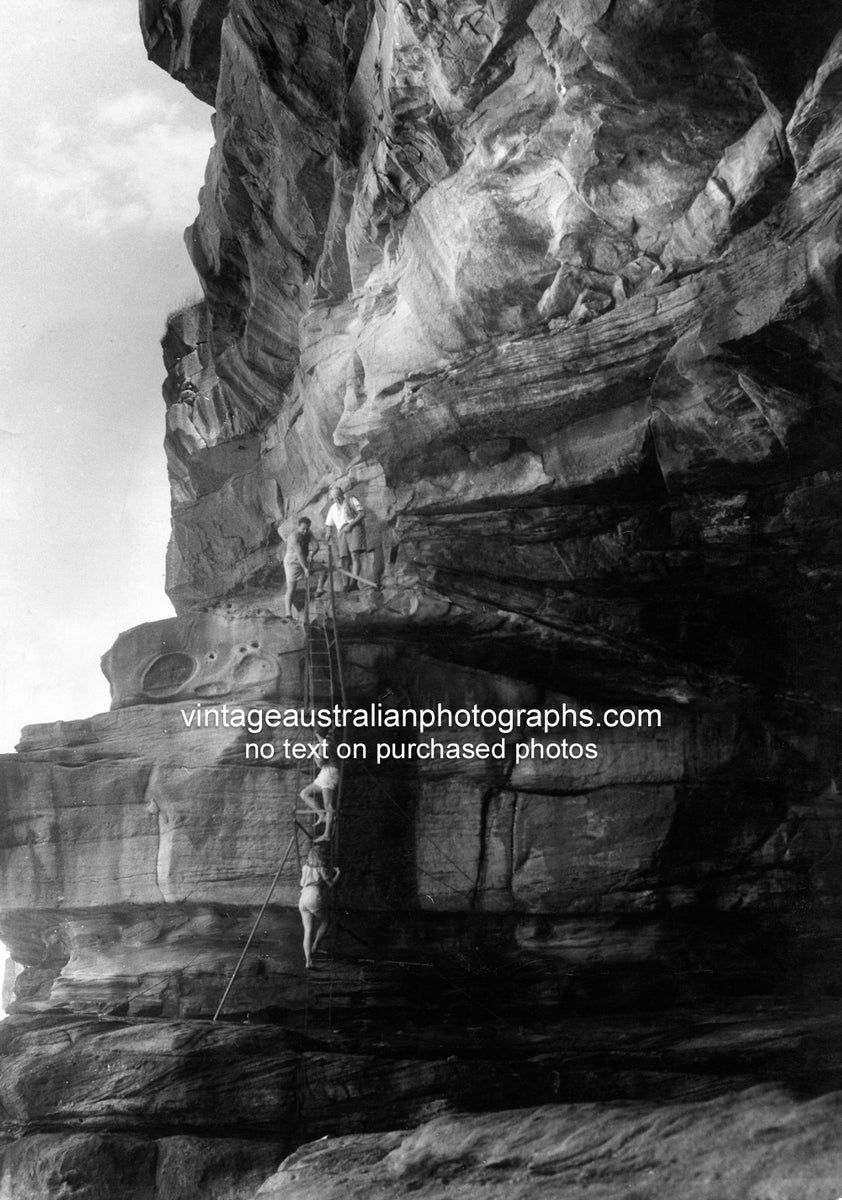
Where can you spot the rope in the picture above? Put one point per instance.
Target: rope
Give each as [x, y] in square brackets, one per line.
[259, 918]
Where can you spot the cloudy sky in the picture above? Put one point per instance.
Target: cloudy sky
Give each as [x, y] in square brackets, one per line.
[102, 156]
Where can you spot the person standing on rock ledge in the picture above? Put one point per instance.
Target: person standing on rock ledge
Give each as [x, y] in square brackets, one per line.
[311, 903]
[346, 516]
[298, 562]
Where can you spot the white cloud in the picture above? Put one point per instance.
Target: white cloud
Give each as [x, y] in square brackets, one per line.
[53, 20]
[136, 107]
[137, 163]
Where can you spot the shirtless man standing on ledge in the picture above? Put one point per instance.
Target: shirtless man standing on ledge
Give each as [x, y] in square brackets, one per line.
[298, 563]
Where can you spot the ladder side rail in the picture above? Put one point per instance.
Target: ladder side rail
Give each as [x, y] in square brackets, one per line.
[333, 650]
[309, 702]
[336, 646]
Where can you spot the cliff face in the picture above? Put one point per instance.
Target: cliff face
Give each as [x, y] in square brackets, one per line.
[555, 289]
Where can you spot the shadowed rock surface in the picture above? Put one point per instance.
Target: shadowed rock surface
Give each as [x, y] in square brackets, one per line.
[553, 288]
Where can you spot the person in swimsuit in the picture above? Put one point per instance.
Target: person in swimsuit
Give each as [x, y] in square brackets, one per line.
[324, 786]
[312, 903]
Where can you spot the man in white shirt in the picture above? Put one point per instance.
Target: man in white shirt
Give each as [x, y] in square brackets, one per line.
[346, 516]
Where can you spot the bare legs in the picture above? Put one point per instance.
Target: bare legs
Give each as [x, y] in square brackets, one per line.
[308, 920]
[316, 573]
[308, 795]
[344, 581]
[320, 932]
[290, 592]
[328, 814]
[312, 922]
[351, 562]
[325, 811]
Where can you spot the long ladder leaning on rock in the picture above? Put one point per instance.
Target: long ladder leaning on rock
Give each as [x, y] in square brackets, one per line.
[323, 678]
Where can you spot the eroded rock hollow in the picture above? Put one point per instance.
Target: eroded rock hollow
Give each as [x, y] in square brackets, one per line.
[553, 289]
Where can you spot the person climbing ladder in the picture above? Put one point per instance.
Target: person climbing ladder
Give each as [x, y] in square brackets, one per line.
[325, 786]
[312, 903]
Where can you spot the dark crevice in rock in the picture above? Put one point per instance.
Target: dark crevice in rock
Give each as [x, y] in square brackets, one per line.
[785, 46]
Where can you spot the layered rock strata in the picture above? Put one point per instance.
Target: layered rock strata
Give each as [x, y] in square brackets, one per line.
[747, 1146]
[554, 289]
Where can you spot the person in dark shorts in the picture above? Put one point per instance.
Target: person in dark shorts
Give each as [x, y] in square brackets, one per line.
[346, 516]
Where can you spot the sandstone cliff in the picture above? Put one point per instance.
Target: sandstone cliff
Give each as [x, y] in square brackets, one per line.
[554, 288]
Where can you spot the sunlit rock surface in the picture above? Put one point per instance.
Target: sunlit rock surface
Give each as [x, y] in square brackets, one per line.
[754, 1144]
[206, 657]
[554, 288]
